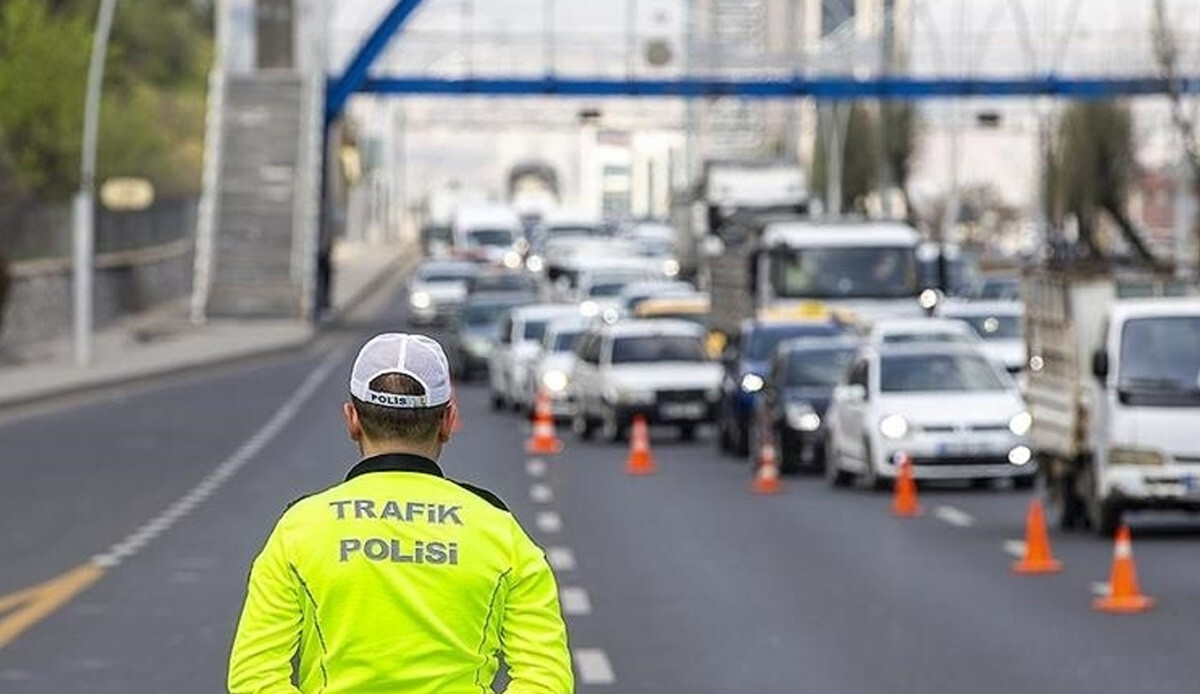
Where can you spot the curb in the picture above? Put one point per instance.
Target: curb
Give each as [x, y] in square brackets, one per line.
[336, 318]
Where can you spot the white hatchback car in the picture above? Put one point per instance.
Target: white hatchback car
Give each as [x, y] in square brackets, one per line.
[518, 344]
[550, 371]
[955, 413]
[654, 368]
[999, 324]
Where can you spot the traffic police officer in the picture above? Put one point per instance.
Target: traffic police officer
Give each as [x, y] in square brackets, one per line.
[399, 579]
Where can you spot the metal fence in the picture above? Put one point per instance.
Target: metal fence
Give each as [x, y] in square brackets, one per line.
[43, 231]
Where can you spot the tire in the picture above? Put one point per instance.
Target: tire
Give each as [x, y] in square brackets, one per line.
[687, 432]
[742, 446]
[789, 457]
[583, 427]
[1103, 517]
[724, 444]
[835, 476]
[1063, 503]
[496, 401]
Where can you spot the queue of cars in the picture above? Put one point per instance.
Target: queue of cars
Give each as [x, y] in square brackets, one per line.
[604, 329]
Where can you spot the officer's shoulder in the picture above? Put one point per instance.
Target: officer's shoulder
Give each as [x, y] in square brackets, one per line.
[484, 494]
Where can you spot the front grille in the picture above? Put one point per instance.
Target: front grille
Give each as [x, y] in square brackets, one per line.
[669, 396]
[962, 460]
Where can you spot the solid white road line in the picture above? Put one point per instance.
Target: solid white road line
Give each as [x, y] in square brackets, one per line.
[560, 558]
[212, 482]
[1015, 548]
[575, 601]
[548, 522]
[541, 493]
[592, 667]
[954, 516]
[536, 467]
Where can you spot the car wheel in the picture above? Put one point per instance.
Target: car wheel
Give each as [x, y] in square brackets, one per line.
[789, 455]
[743, 447]
[582, 426]
[687, 432]
[1102, 516]
[724, 445]
[834, 474]
[610, 428]
[1063, 503]
[497, 402]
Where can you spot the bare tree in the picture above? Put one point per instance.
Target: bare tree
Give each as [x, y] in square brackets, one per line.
[1166, 52]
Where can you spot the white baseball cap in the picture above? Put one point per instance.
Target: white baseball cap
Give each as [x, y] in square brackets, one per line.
[416, 356]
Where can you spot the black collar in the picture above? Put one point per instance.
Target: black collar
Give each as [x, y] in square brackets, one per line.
[395, 462]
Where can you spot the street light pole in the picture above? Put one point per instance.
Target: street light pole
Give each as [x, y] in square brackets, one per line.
[84, 233]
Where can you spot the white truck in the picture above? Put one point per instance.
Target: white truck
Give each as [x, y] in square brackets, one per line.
[773, 264]
[727, 187]
[1114, 394]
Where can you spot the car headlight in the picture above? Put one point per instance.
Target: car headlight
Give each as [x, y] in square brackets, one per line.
[1123, 455]
[535, 263]
[802, 417]
[1021, 455]
[420, 300]
[589, 309]
[893, 426]
[512, 260]
[555, 381]
[752, 383]
[671, 267]
[1020, 423]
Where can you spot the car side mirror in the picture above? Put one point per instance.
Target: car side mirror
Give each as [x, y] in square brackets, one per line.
[1100, 364]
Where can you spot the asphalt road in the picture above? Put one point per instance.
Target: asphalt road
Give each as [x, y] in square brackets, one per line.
[677, 582]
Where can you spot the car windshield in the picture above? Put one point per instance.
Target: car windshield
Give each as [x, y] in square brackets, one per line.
[817, 368]
[490, 237]
[995, 327]
[931, 373]
[565, 341]
[925, 337]
[999, 288]
[606, 289]
[656, 348]
[442, 273]
[764, 339]
[488, 313]
[827, 273]
[534, 330]
[1160, 361]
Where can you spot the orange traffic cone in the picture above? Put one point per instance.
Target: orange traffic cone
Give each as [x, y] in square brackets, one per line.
[640, 460]
[904, 500]
[544, 440]
[1124, 595]
[766, 478]
[1038, 559]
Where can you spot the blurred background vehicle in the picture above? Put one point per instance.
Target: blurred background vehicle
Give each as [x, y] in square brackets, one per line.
[634, 293]
[551, 369]
[797, 387]
[744, 367]
[474, 331]
[520, 338]
[903, 331]
[693, 308]
[438, 289]
[948, 407]
[654, 368]
[490, 232]
[502, 279]
[1000, 324]
[436, 240]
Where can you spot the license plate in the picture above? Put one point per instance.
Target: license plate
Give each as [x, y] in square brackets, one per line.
[686, 410]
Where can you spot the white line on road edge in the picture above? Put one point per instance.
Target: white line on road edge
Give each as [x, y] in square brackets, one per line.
[536, 467]
[548, 522]
[575, 601]
[593, 667]
[212, 482]
[541, 493]
[1015, 548]
[560, 558]
[1101, 589]
[954, 516]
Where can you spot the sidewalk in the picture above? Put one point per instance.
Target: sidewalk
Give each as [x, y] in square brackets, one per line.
[164, 341]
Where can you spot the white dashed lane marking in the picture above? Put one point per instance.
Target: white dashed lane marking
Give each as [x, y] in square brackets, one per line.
[541, 493]
[954, 516]
[575, 601]
[592, 666]
[1015, 548]
[536, 467]
[211, 483]
[548, 522]
[560, 558]
[1100, 589]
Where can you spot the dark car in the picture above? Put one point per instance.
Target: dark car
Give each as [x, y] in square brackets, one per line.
[475, 330]
[799, 383]
[501, 280]
[745, 361]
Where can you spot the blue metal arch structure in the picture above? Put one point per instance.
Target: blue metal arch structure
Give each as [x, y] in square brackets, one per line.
[356, 79]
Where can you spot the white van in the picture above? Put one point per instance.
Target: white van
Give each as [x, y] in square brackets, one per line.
[492, 232]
